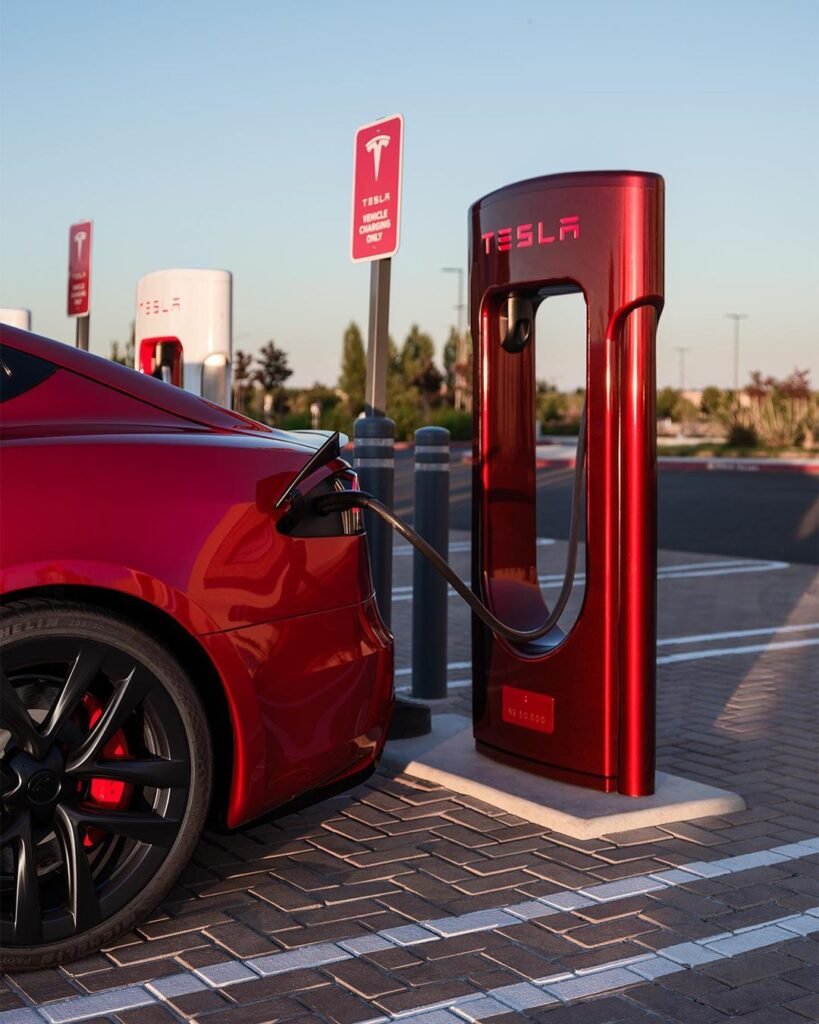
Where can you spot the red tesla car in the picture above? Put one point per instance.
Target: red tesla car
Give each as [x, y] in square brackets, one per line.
[174, 646]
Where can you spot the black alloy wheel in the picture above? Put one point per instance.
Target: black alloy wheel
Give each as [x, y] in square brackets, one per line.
[105, 777]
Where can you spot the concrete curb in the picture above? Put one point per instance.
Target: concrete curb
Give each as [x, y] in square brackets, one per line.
[447, 756]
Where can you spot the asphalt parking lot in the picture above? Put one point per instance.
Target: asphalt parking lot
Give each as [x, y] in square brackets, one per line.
[746, 512]
[403, 901]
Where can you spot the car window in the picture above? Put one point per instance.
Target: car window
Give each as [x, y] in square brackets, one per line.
[20, 372]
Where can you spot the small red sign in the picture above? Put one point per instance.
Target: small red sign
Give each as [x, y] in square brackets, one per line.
[377, 159]
[79, 268]
[528, 710]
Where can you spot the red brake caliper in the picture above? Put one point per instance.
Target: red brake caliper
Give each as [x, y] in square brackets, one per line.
[106, 793]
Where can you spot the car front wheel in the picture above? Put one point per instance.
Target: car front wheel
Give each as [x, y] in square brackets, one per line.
[105, 778]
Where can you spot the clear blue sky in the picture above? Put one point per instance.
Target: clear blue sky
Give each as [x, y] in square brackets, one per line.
[199, 133]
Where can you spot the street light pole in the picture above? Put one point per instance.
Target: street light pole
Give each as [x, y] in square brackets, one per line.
[736, 317]
[460, 307]
[460, 350]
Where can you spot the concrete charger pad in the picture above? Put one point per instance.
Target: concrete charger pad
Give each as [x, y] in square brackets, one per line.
[448, 757]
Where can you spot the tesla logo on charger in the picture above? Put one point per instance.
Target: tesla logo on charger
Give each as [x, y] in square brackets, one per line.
[523, 236]
[152, 307]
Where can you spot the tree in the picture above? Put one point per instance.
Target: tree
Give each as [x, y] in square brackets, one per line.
[353, 377]
[713, 401]
[458, 372]
[782, 413]
[271, 373]
[126, 357]
[668, 400]
[418, 366]
[449, 359]
[242, 362]
[552, 406]
[117, 356]
[417, 351]
[396, 388]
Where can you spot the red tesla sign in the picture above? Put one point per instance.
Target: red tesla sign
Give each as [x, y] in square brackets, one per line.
[79, 268]
[377, 156]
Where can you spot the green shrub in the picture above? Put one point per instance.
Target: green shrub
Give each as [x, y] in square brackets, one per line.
[776, 413]
[337, 418]
[456, 421]
[407, 420]
[569, 428]
[552, 407]
[742, 435]
[297, 421]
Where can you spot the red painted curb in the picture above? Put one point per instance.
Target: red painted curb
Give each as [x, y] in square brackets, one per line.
[672, 463]
[690, 465]
[694, 465]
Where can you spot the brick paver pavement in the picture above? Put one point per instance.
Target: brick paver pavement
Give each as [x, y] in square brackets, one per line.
[401, 900]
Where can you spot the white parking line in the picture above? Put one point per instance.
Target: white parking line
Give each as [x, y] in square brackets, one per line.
[690, 570]
[565, 986]
[453, 666]
[736, 634]
[721, 652]
[711, 571]
[731, 634]
[669, 659]
[731, 563]
[459, 546]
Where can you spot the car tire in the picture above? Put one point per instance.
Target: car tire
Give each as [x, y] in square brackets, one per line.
[106, 778]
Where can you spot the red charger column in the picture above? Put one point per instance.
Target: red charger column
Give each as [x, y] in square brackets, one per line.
[576, 706]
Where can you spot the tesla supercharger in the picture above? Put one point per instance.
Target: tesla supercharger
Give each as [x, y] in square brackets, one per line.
[183, 330]
[16, 317]
[576, 706]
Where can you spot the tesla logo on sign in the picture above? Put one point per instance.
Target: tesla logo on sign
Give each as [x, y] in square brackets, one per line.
[375, 146]
[79, 238]
[377, 156]
[79, 268]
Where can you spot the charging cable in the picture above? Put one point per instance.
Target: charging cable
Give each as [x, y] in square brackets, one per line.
[343, 500]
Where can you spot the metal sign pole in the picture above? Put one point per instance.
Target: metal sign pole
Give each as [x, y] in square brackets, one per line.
[378, 338]
[377, 161]
[375, 435]
[82, 332]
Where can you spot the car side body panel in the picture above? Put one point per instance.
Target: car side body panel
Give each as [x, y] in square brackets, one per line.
[126, 484]
[321, 717]
[192, 512]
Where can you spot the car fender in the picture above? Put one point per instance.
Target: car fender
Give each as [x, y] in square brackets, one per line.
[249, 746]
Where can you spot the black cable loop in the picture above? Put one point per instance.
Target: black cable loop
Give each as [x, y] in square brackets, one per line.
[359, 499]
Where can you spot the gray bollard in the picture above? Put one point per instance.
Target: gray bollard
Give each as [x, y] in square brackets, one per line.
[375, 465]
[429, 590]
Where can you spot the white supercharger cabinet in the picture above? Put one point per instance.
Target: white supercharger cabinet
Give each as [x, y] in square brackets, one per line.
[15, 317]
[183, 330]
